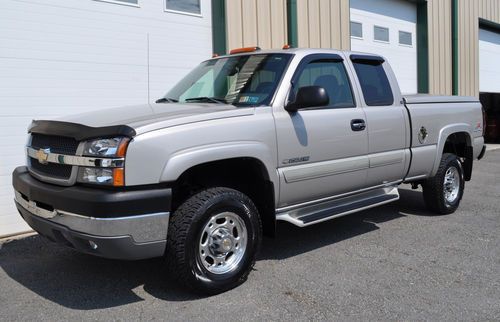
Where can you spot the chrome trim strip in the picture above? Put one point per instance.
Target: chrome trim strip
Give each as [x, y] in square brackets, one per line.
[142, 228]
[321, 200]
[78, 160]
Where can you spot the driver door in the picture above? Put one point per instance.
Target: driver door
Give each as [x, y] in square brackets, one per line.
[322, 151]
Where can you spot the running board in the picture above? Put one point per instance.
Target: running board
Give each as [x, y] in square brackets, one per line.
[323, 211]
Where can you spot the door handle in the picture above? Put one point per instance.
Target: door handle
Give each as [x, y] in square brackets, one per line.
[358, 125]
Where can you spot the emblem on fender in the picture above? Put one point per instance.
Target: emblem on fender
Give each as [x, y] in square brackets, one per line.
[42, 155]
[422, 135]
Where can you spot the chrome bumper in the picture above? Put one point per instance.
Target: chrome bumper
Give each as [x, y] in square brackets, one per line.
[144, 228]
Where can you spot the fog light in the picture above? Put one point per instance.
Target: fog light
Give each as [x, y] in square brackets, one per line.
[93, 245]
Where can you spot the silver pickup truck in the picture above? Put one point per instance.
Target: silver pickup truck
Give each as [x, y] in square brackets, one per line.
[244, 140]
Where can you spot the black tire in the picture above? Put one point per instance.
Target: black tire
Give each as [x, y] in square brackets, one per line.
[186, 228]
[434, 188]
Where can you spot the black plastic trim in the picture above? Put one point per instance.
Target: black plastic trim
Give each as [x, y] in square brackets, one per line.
[78, 131]
[116, 247]
[367, 59]
[94, 202]
[483, 152]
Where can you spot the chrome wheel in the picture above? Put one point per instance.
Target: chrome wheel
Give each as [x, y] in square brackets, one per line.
[222, 243]
[451, 184]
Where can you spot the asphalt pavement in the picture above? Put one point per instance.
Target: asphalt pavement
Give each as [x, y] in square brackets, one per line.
[396, 262]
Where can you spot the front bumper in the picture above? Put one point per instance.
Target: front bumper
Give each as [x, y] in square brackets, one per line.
[125, 224]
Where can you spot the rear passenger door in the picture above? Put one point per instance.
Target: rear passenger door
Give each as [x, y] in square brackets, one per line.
[321, 152]
[386, 120]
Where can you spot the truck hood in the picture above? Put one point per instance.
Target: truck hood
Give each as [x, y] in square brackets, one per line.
[150, 117]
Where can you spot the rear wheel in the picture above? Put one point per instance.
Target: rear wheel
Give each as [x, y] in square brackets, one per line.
[213, 240]
[443, 192]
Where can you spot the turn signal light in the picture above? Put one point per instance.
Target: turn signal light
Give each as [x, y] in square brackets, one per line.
[122, 148]
[243, 50]
[118, 177]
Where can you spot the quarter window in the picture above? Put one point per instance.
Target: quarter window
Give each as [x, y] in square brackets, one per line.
[374, 83]
[332, 76]
[185, 6]
[405, 38]
[356, 29]
[381, 33]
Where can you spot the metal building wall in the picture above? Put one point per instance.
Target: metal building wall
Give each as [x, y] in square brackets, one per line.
[440, 49]
[260, 23]
[323, 24]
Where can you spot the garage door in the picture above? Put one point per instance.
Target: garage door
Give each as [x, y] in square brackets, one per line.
[60, 57]
[489, 67]
[388, 28]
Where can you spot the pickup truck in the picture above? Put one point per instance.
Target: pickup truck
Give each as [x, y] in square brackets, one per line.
[243, 141]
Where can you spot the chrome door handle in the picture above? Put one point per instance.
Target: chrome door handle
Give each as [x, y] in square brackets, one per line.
[358, 125]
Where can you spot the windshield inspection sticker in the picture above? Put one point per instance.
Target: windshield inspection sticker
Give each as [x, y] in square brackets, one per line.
[249, 99]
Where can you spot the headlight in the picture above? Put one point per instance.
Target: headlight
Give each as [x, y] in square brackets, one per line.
[102, 176]
[113, 147]
[105, 173]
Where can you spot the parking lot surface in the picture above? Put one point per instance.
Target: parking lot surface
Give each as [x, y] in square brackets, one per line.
[396, 262]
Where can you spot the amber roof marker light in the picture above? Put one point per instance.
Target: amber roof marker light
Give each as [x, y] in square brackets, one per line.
[243, 50]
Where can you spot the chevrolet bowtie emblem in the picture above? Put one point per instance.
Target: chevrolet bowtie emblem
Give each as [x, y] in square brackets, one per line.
[42, 155]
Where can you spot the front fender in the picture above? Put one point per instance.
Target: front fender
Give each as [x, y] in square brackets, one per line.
[183, 160]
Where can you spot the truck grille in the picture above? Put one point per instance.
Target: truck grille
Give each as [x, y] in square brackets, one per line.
[56, 144]
[58, 171]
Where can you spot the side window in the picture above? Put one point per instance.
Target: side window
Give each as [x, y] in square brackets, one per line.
[332, 76]
[374, 83]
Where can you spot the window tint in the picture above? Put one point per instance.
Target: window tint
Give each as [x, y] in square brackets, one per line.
[241, 80]
[189, 6]
[381, 33]
[374, 83]
[332, 76]
[356, 29]
[405, 38]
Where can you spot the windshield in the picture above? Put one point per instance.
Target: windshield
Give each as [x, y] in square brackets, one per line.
[248, 80]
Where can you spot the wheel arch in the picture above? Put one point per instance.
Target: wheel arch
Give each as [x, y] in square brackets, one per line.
[456, 139]
[246, 174]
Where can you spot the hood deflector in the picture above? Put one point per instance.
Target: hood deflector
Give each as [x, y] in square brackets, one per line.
[78, 131]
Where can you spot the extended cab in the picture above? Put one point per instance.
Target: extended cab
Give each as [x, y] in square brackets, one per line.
[244, 140]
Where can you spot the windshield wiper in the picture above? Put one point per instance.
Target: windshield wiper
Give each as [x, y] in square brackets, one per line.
[166, 100]
[217, 100]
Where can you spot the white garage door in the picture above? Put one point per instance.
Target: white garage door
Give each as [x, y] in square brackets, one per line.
[489, 58]
[62, 57]
[388, 28]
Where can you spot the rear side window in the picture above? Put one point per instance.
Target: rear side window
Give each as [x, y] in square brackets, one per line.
[374, 83]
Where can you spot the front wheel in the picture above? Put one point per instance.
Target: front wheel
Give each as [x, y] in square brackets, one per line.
[213, 239]
[443, 192]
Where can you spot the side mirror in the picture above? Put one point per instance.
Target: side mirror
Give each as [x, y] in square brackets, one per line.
[308, 96]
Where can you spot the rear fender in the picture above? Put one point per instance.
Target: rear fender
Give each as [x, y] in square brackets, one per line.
[443, 136]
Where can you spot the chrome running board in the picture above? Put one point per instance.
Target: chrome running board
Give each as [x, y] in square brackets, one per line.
[316, 213]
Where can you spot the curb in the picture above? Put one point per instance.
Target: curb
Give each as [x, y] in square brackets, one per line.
[6, 239]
